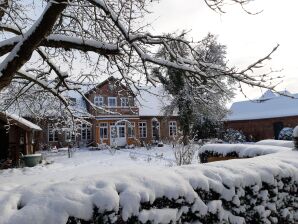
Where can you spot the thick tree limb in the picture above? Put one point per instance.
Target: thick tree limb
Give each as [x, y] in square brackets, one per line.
[22, 52]
[61, 41]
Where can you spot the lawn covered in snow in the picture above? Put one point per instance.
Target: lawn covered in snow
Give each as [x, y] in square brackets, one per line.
[84, 163]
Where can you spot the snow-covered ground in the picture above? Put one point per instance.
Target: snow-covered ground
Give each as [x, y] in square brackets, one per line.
[73, 186]
[84, 163]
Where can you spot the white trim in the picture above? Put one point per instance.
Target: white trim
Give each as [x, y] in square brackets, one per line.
[103, 118]
[104, 127]
[96, 100]
[139, 127]
[50, 126]
[112, 97]
[158, 128]
[87, 128]
[171, 125]
[121, 101]
[133, 126]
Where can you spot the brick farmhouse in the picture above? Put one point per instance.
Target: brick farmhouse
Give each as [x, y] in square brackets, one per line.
[121, 117]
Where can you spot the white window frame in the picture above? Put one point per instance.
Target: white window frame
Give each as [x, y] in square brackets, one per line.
[103, 126]
[53, 132]
[158, 128]
[110, 98]
[124, 102]
[131, 126]
[88, 129]
[141, 127]
[70, 136]
[172, 124]
[98, 101]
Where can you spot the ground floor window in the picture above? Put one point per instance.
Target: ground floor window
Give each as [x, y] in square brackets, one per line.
[86, 132]
[131, 129]
[143, 129]
[52, 134]
[103, 130]
[70, 136]
[155, 130]
[172, 128]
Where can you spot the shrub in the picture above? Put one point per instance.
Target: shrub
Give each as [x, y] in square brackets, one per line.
[234, 136]
[286, 134]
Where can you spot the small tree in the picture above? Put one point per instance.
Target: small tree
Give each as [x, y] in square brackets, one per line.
[189, 98]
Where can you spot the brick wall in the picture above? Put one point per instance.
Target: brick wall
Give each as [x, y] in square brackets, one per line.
[261, 128]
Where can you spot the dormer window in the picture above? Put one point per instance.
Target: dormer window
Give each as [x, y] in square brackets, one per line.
[98, 101]
[124, 102]
[112, 101]
[72, 101]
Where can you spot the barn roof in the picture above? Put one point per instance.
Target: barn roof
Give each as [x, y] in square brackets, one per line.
[269, 105]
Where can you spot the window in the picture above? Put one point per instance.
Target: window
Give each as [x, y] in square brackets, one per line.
[112, 101]
[70, 135]
[86, 132]
[131, 101]
[72, 101]
[172, 128]
[124, 102]
[121, 131]
[52, 134]
[103, 130]
[98, 101]
[155, 130]
[143, 129]
[131, 130]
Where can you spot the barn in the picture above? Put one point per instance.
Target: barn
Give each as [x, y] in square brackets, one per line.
[263, 118]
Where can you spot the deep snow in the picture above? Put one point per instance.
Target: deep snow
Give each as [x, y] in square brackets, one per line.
[71, 187]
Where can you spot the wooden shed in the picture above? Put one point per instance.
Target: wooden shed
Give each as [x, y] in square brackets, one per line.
[17, 135]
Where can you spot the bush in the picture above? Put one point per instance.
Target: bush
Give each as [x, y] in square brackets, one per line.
[286, 134]
[234, 136]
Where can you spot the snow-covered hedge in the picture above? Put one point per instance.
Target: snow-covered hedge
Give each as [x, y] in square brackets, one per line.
[237, 150]
[257, 190]
[283, 143]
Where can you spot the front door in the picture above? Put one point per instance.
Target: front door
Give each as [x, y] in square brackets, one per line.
[118, 135]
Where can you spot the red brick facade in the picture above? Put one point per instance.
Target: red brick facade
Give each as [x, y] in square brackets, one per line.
[262, 128]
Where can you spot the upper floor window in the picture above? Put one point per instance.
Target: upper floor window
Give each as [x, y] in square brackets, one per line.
[98, 101]
[124, 102]
[172, 128]
[72, 101]
[112, 101]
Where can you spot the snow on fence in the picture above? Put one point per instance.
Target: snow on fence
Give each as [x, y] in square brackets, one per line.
[257, 190]
[237, 150]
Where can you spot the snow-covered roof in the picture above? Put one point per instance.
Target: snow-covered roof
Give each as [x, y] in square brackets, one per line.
[22, 121]
[152, 100]
[269, 105]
